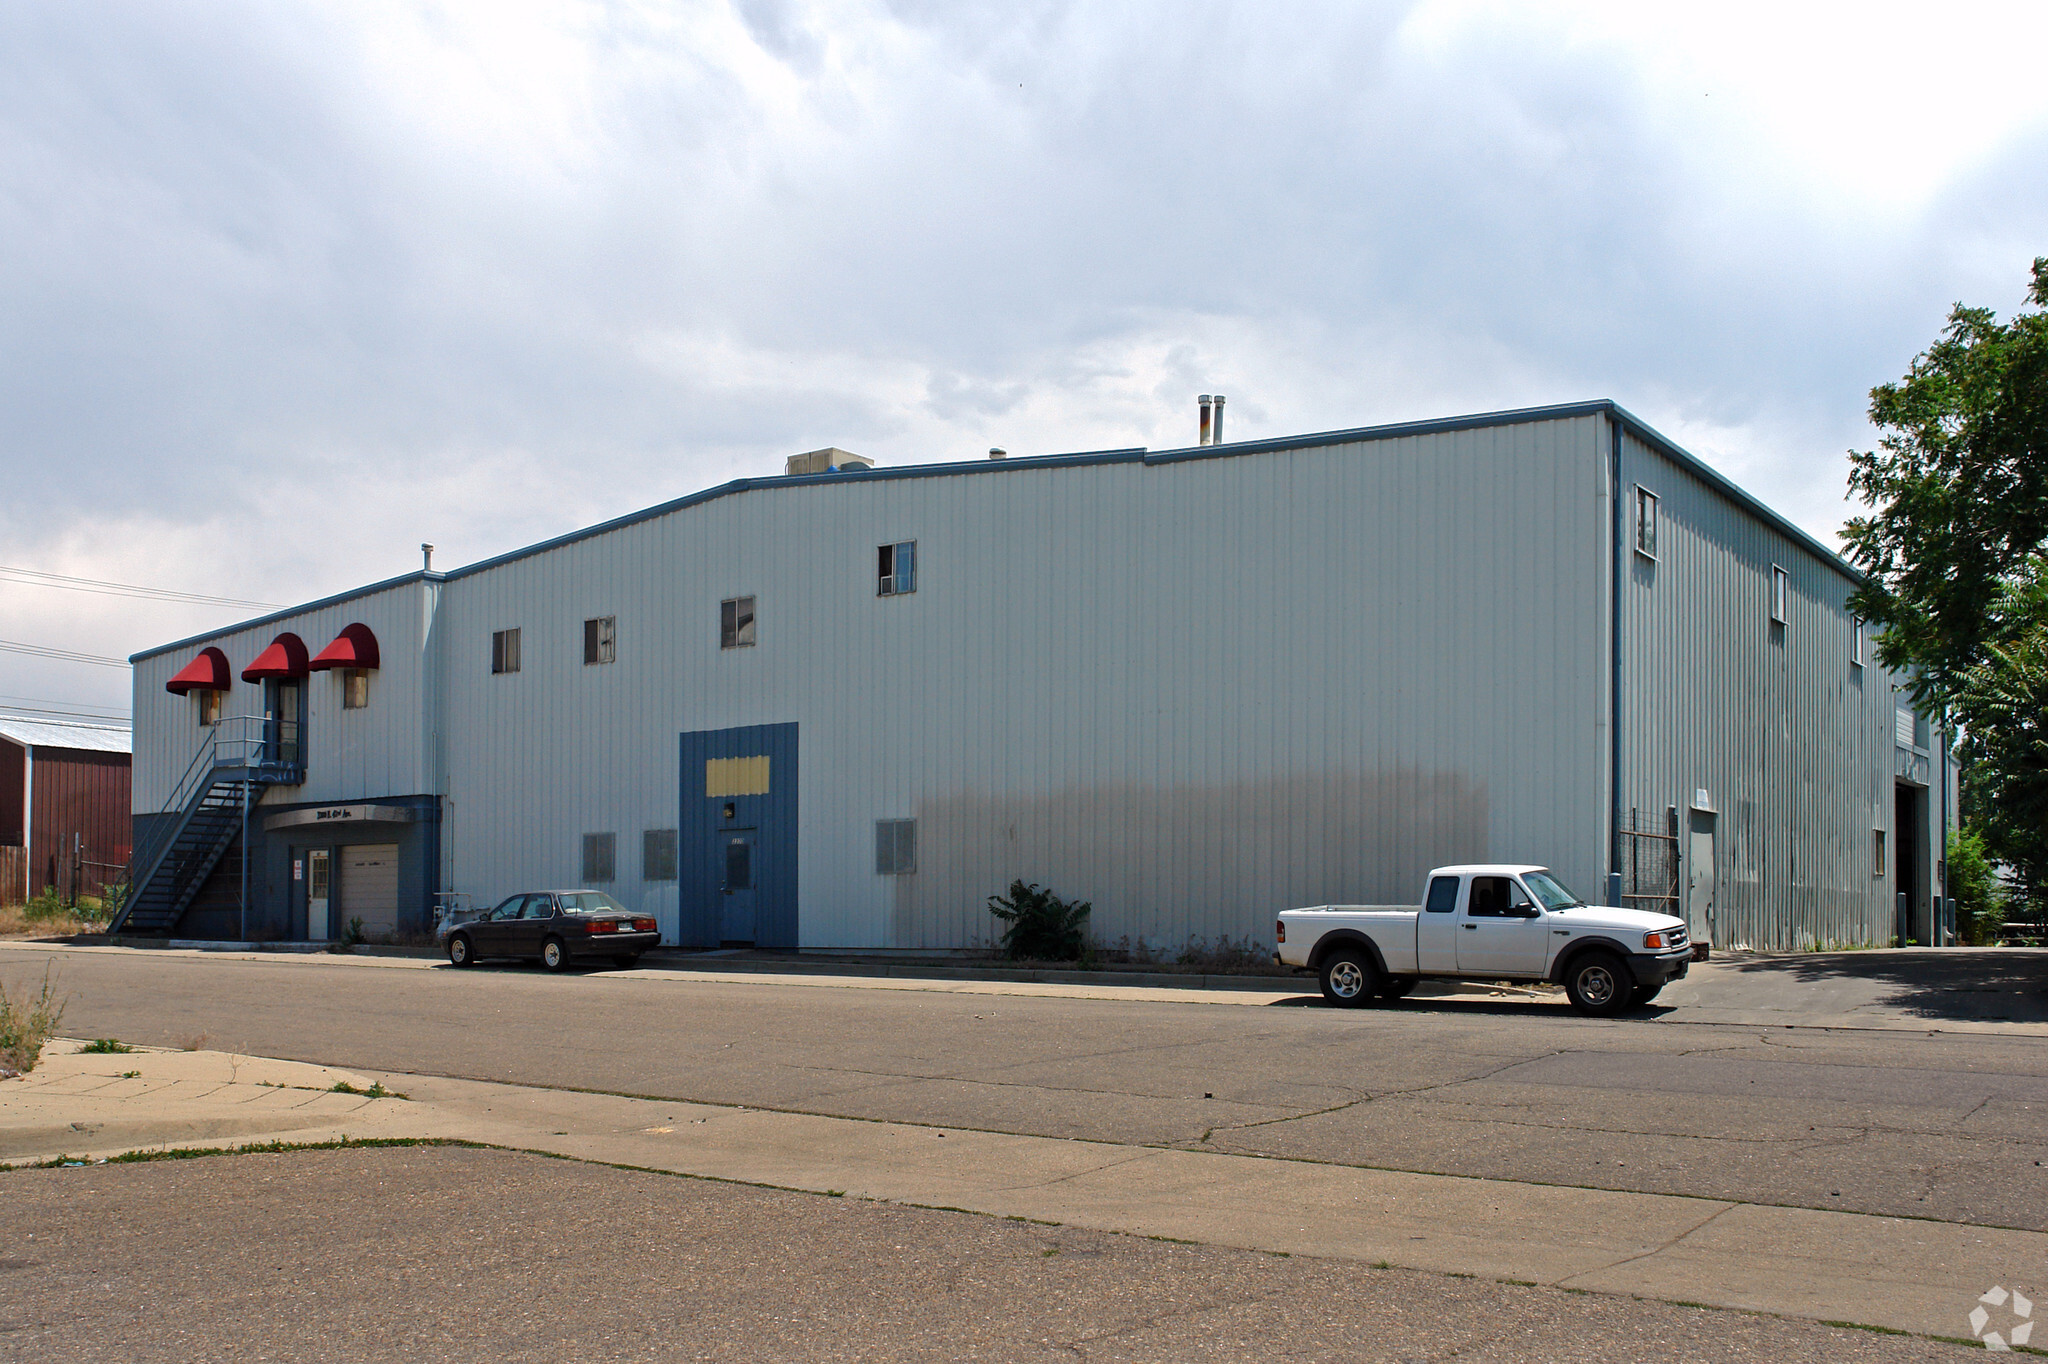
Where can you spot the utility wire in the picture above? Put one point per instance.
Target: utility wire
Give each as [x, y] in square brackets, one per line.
[68, 717]
[65, 655]
[66, 707]
[30, 577]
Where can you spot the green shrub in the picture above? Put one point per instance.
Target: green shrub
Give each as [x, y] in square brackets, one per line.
[1980, 900]
[1040, 926]
[44, 906]
[105, 1046]
[26, 1023]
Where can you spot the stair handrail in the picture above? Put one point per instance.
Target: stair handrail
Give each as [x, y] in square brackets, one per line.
[227, 744]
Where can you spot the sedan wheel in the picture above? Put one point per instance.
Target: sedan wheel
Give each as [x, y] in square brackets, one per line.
[554, 955]
[460, 953]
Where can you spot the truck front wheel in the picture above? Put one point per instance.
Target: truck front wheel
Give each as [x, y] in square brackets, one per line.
[1349, 979]
[1599, 985]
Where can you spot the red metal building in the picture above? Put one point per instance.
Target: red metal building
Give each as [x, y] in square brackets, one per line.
[65, 817]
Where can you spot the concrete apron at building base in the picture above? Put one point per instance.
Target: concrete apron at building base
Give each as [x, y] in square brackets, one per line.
[1894, 1273]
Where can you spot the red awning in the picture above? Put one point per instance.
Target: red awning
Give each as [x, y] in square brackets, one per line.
[285, 658]
[208, 672]
[354, 647]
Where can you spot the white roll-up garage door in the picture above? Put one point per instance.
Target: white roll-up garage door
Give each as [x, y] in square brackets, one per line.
[369, 886]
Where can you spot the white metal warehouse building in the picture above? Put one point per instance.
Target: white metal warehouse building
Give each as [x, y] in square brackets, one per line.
[1195, 687]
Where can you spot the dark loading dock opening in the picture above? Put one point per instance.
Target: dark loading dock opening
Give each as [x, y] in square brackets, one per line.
[1909, 841]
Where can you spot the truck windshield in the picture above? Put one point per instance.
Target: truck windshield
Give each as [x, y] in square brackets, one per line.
[1549, 890]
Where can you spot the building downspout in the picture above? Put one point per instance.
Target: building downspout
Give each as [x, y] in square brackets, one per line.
[1614, 647]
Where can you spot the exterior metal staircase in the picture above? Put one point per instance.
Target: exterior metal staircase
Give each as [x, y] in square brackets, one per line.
[219, 791]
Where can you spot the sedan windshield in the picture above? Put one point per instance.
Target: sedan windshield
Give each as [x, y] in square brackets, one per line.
[1550, 890]
[590, 902]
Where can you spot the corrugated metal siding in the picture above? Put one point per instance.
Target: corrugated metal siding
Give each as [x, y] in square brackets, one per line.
[1792, 741]
[1194, 693]
[81, 793]
[380, 750]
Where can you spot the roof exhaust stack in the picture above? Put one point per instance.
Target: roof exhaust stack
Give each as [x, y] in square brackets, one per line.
[1204, 400]
[427, 553]
[998, 452]
[1216, 422]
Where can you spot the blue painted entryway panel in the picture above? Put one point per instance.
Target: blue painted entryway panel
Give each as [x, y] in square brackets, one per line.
[753, 836]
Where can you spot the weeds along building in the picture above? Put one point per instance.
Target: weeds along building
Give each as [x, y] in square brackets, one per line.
[841, 707]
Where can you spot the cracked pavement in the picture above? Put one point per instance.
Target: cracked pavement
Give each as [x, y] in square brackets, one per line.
[1908, 1123]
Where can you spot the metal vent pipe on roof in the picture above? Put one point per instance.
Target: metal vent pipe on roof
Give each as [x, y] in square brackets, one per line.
[1204, 400]
[427, 553]
[998, 452]
[1216, 422]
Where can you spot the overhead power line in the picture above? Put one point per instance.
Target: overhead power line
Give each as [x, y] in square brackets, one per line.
[65, 717]
[48, 705]
[65, 655]
[30, 577]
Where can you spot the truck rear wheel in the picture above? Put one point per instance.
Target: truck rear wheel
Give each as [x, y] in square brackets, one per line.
[1599, 985]
[1349, 978]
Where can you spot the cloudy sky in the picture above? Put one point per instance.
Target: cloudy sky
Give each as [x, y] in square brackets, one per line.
[288, 288]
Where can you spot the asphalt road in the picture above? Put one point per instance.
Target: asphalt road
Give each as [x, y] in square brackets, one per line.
[1942, 1126]
[457, 1255]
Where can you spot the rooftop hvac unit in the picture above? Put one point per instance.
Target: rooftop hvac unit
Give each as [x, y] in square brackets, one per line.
[826, 460]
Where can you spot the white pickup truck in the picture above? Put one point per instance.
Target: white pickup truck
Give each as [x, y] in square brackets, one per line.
[1488, 923]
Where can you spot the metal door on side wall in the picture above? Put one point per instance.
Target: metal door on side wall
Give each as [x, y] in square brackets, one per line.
[319, 885]
[1699, 880]
[737, 839]
[369, 886]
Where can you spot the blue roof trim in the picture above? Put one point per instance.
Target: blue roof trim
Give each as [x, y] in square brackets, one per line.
[276, 617]
[1602, 407]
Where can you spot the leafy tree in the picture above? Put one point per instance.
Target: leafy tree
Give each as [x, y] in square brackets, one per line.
[1980, 900]
[1956, 551]
[2004, 712]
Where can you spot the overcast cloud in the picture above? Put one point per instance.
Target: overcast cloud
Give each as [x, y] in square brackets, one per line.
[286, 289]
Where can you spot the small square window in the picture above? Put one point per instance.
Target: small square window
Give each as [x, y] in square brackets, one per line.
[600, 858]
[658, 855]
[355, 688]
[1781, 590]
[600, 640]
[504, 651]
[1646, 523]
[736, 623]
[209, 705]
[896, 569]
[895, 847]
[1877, 852]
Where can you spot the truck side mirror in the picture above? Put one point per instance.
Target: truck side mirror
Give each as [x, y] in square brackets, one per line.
[1526, 910]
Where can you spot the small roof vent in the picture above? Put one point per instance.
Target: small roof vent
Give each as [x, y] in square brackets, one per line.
[826, 461]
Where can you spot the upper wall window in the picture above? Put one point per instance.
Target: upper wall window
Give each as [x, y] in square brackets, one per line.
[355, 688]
[601, 640]
[896, 569]
[1781, 591]
[1646, 523]
[1856, 644]
[504, 651]
[208, 705]
[736, 623]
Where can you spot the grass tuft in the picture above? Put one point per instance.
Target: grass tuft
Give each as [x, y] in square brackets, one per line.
[26, 1022]
[105, 1046]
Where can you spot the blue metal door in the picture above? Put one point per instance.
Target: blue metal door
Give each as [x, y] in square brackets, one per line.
[736, 837]
[738, 889]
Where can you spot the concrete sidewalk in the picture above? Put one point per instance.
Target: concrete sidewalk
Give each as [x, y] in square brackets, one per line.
[1893, 1273]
